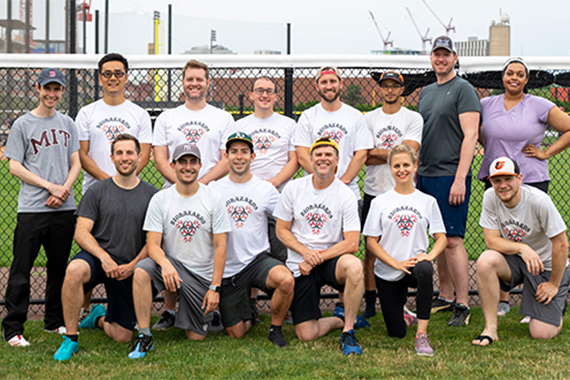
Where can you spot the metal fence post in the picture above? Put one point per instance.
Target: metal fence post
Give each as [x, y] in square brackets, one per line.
[288, 92]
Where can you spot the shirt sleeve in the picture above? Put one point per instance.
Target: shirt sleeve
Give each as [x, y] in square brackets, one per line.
[145, 128]
[292, 134]
[489, 218]
[436, 224]
[159, 133]
[468, 100]
[16, 144]
[82, 125]
[414, 132]
[350, 219]
[550, 219]
[363, 139]
[229, 129]
[284, 208]
[303, 136]
[73, 140]
[220, 218]
[273, 197]
[542, 107]
[88, 207]
[153, 220]
[373, 225]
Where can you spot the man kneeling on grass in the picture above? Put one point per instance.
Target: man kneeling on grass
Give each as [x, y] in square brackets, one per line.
[527, 243]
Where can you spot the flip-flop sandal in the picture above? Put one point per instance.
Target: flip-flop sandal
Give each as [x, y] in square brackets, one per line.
[482, 338]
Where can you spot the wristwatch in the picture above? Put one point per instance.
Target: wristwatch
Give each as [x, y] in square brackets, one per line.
[216, 288]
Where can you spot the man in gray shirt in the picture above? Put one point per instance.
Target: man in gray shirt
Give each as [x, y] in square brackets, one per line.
[42, 149]
[109, 231]
[450, 109]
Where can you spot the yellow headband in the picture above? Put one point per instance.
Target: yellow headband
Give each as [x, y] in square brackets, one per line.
[321, 142]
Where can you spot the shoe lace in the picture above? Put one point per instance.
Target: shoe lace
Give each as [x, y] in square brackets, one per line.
[350, 339]
[423, 340]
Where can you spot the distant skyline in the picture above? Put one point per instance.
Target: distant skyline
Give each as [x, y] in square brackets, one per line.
[318, 27]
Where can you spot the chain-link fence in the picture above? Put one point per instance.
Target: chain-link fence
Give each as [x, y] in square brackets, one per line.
[157, 89]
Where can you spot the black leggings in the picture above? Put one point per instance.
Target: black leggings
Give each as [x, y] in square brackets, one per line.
[392, 296]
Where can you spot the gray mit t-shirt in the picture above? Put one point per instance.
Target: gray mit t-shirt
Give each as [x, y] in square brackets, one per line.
[118, 215]
[43, 145]
[440, 106]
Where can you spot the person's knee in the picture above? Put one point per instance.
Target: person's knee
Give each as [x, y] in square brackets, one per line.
[397, 333]
[191, 335]
[286, 283]
[542, 330]
[453, 242]
[120, 334]
[488, 261]
[237, 331]
[305, 335]
[140, 277]
[353, 269]
[76, 273]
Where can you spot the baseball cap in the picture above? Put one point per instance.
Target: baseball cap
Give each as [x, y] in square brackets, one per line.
[186, 150]
[444, 42]
[240, 136]
[323, 141]
[393, 75]
[503, 166]
[51, 76]
[327, 70]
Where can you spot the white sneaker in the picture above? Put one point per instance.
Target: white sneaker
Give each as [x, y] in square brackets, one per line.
[406, 310]
[18, 341]
[525, 319]
[60, 330]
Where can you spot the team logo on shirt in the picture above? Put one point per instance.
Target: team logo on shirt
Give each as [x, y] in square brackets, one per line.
[193, 131]
[317, 216]
[388, 137]
[405, 218]
[514, 230]
[112, 127]
[240, 208]
[263, 139]
[333, 131]
[188, 222]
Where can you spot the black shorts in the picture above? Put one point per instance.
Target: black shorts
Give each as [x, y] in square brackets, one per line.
[120, 307]
[305, 305]
[235, 294]
[365, 209]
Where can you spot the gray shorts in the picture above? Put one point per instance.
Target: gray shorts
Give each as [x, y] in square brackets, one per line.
[551, 313]
[235, 294]
[278, 249]
[193, 289]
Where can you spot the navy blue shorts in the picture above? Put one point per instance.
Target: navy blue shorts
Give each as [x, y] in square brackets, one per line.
[120, 307]
[454, 217]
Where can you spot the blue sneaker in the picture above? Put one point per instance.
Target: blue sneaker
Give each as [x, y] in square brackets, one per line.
[360, 322]
[96, 312]
[143, 344]
[66, 350]
[349, 343]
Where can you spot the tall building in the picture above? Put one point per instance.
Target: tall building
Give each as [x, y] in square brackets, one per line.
[500, 37]
[473, 47]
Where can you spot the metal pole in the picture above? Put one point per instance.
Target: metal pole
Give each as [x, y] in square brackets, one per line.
[72, 80]
[9, 28]
[288, 79]
[96, 74]
[106, 26]
[46, 49]
[169, 84]
[84, 29]
[27, 39]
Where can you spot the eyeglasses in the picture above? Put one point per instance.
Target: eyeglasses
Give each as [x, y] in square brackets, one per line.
[109, 74]
[395, 87]
[260, 91]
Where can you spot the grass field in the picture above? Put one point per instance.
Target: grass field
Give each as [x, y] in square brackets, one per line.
[514, 356]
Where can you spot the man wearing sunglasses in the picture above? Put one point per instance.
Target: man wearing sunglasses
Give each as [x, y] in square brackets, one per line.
[391, 125]
[101, 121]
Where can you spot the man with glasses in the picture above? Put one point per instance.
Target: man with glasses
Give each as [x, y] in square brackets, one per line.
[195, 122]
[391, 125]
[101, 121]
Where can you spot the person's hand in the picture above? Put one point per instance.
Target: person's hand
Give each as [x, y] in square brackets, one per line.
[110, 267]
[211, 301]
[170, 277]
[305, 268]
[532, 260]
[545, 292]
[313, 257]
[125, 271]
[532, 151]
[457, 193]
[405, 264]
[59, 191]
[422, 257]
[53, 202]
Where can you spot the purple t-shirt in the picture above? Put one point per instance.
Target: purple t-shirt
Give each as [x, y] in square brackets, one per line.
[506, 133]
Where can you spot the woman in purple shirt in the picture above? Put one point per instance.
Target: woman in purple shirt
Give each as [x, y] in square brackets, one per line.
[513, 125]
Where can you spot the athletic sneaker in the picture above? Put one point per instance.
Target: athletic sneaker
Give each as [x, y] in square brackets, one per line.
[66, 350]
[83, 314]
[143, 345]
[461, 315]
[503, 308]
[18, 341]
[525, 319]
[410, 319]
[216, 324]
[360, 322]
[90, 321]
[349, 343]
[165, 322]
[277, 338]
[422, 345]
[439, 304]
[60, 330]
[288, 319]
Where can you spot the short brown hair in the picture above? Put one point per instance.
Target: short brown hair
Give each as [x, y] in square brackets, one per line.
[126, 137]
[193, 64]
[403, 149]
[266, 79]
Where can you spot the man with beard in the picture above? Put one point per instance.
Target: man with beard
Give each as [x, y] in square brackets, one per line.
[450, 109]
[195, 122]
[526, 238]
[391, 125]
[347, 127]
[109, 232]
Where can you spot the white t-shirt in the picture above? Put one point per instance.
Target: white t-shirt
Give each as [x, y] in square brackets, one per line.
[402, 221]
[272, 141]
[319, 217]
[389, 131]
[208, 128]
[248, 206]
[99, 123]
[533, 221]
[346, 126]
[187, 226]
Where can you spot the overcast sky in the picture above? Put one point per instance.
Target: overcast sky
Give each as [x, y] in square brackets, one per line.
[318, 27]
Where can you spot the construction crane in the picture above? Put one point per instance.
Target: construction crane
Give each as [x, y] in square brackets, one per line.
[386, 41]
[425, 37]
[447, 27]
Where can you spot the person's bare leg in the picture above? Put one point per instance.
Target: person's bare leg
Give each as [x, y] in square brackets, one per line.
[313, 329]
[115, 331]
[543, 330]
[194, 336]
[458, 267]
[280, 279]
[170, 300]
[77, 273]
[422, 326]
[349, 272]
[142, 297]
[446, 290]
[491, 266]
